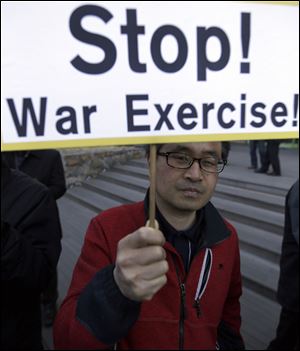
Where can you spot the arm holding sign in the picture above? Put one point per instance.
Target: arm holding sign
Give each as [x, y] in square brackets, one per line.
[115, 292]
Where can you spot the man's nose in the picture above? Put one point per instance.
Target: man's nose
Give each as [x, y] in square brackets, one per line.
[195, 171]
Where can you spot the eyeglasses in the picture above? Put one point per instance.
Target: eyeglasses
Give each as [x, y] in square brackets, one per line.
[183, 161]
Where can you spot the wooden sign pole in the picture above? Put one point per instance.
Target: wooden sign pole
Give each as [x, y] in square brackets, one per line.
[152, 186]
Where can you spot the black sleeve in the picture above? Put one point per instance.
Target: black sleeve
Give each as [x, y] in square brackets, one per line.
[57, 182]
[292, 211]
[288, 283]
[30, 248]
[228, 339]
[104, 310]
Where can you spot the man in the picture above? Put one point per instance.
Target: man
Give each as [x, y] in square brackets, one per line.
[30, 248]
[46, 166]
[178, 286]
[287, 334]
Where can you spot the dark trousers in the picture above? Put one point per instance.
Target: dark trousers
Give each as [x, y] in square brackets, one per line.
[50, 294]
[225, 149]
[260, 144]
[287, 333]
[272, 156]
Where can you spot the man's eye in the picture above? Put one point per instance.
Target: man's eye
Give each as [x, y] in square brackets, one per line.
[180, 157]
[209, 162]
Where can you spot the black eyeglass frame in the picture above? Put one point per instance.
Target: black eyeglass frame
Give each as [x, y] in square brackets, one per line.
[167, 154]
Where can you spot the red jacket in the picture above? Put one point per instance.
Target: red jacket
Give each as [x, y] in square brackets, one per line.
[161, 322]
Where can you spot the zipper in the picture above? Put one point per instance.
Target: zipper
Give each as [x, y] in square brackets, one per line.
[197, 307]
[182, 316]
[182, 306]
[190, 255]
[203, 280]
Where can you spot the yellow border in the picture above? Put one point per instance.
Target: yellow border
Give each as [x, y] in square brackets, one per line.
[282, 3]
[144, 140]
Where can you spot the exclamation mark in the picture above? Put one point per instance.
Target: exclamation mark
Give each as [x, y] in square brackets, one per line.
[295, 121]
[245, 33]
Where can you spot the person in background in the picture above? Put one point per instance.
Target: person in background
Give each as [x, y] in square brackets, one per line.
[287, 333]
[30, 249]
[261, 145]
[225, 149]
[272, 158]
[45, 166]
[175, 286]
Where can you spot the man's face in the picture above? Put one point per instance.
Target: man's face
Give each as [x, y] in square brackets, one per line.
[185, 190]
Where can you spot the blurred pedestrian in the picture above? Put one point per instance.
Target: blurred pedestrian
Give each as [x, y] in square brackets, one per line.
[287, 333]
[272, 158]
[46, 166]
[30, 248]
[261, 146]
[225, 149]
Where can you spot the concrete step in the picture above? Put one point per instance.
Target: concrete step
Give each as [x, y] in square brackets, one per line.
[259, 242]
[260, 317]
[133, 170]
[262, 218]
[69, 210]
[119, 193]
[90, 199]
[236, 181]
[252, 197]
[259, 275]
[140, 162]
[129, 181]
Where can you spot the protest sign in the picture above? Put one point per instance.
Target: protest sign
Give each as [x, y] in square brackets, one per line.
[76, 74]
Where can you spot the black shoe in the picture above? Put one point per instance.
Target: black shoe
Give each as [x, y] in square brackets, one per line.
[48, 314]
[274, 174]
[260, 171]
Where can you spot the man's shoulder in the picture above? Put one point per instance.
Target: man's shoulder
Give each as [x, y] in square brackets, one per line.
[49, 153]
[230, 227]
[217, 227]
[134, 209]
[21, 194]
[293, 194]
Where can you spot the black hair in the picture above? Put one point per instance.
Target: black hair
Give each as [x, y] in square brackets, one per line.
[224, 156]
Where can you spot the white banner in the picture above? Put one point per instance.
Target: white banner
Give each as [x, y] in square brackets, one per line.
[78, 73]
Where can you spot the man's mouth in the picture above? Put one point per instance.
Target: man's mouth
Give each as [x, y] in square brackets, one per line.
[191, 192]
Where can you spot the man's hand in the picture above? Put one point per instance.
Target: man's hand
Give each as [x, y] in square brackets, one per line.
[141, 264]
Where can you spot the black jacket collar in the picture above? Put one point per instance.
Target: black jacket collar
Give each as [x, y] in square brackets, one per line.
[208, 230]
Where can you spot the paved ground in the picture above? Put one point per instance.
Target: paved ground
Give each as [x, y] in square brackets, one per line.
[239, 160]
